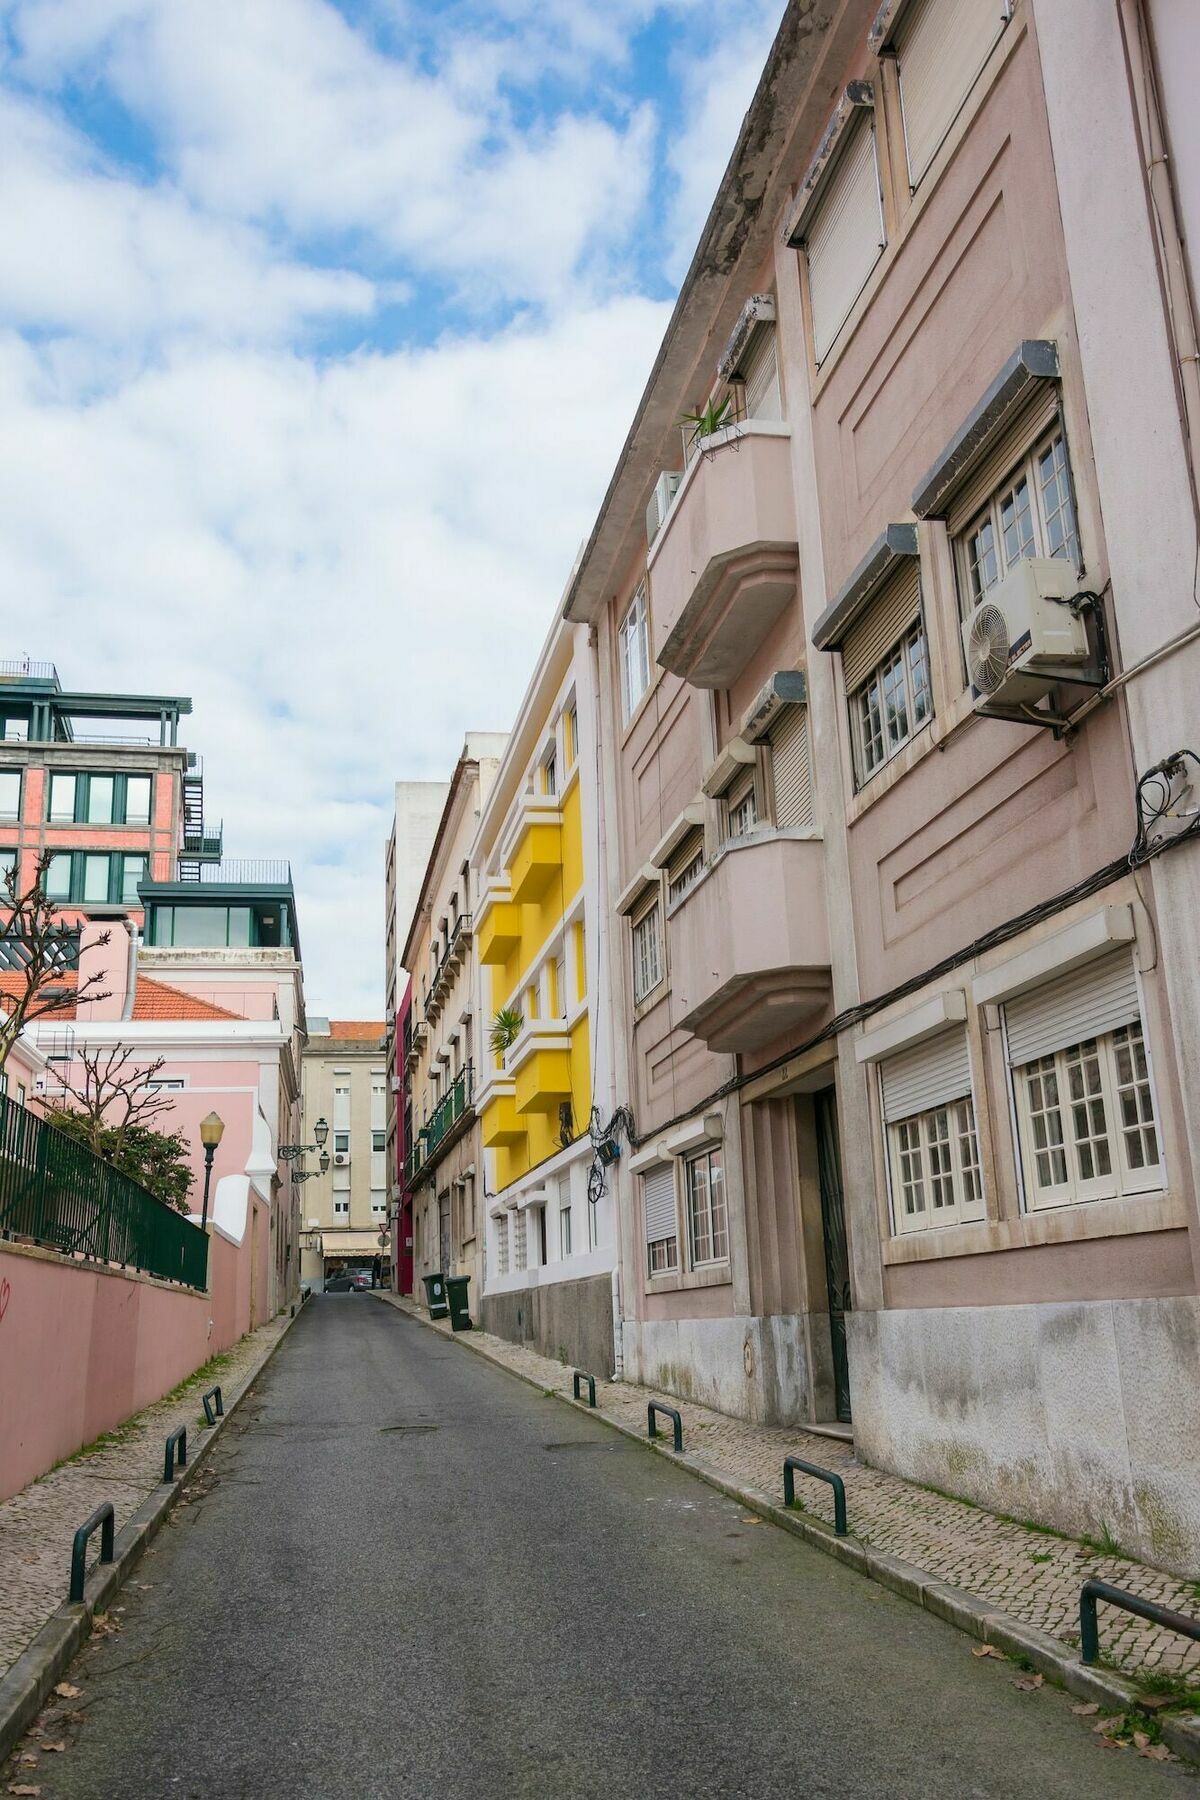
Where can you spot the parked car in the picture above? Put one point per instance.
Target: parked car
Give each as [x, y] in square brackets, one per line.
[362, 1280]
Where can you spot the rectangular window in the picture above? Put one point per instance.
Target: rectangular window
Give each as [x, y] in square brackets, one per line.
[137, 799]
[1081, 1081]
[378, 1140]
[100, 799]
[647, 952]
[932, 1143]
[340, 1207]
[58, 876]
[559, 983]
[62, 799]
[520, 1241]
[686, 866]
[1031, 513]
[708, 1229]
[550, 774]
[96, 871]
[10, 793]
[571, 735]
[892, 704]
[940, 48]
[661, 1219]
[760, 383]
[845, 238]
[564, 1232]
[635, 653]
[133, 870]
[378, 1204]
[341, 1143]
[502, 1244]
[741, 806]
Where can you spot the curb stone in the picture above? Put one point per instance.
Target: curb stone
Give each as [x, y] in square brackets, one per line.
[28, 1682]
[1048, 1655]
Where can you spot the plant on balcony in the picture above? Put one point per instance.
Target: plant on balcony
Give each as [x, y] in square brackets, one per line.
[505, 1029]
[705, 424]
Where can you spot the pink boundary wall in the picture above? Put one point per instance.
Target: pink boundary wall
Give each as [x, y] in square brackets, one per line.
[82, 1347]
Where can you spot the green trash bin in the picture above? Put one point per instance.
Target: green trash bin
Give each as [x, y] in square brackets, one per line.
[435, 1295]
[456, 1293]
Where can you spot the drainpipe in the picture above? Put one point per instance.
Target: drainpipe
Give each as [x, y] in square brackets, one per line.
[131, 980]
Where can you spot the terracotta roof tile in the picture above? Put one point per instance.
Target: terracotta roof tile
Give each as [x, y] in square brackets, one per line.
[156, 1000]
[357, 1028]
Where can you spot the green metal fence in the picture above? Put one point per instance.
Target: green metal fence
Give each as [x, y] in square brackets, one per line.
[55, 1192]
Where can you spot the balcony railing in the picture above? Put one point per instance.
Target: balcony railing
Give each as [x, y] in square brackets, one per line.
[21, 669]
[437, 1129]
[53, 1191]
[244, 871]
[450, 959]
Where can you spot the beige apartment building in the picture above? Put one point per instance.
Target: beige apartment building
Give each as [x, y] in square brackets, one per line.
[344, 1206]
[897, 661]
[439, 1047]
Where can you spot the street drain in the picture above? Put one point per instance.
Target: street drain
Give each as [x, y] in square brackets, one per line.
[408, 1428]
[577, 1444]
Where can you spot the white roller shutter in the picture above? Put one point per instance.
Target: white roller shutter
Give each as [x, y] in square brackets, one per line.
[658, 1202]
[790, 771]
[846, 237]
[931, 1074]
[941, 47]
[884, 622]
[1099, 997]
[762, 377]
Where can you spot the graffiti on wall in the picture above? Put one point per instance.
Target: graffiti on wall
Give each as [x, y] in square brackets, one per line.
[5, 1296]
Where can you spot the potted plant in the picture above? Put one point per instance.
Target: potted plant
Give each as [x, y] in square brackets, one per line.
[505, 1029]
[698, 426]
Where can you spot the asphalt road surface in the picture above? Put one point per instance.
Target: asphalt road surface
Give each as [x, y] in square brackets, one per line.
[410, 1574]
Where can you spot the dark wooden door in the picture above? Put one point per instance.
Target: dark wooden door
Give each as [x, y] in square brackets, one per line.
[837, 1252]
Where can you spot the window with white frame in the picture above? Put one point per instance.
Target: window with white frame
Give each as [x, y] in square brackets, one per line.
[661, 1219]
[564, 1231]
[340, 1207]
[741, 805]
[940, 49]
[1031, 512]
[647, 947]
[686, 866]
[571, 735]
[1082, 1088]
[885, 666]
[378, 1204]
[707, 1221]
[635, 653]
[932, 1141]
[845, 235]
[550, 773]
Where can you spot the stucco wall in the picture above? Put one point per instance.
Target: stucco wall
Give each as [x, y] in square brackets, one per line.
[753, 1368]
[1084, 1416]
[568, 1320]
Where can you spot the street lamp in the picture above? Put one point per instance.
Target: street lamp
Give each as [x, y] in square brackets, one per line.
[212, 1130]
[320, 1132]
[307, 1174]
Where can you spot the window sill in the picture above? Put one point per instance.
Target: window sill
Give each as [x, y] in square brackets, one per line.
[1074, 1223]
[882, 782]
[642, 1008]
[718, 1275]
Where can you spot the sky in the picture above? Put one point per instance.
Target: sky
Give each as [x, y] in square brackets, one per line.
[322, 323]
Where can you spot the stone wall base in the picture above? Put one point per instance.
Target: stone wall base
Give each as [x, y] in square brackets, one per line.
[570, 1321]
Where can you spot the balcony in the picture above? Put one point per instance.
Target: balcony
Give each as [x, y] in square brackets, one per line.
[449, 965]
[540, 1065]
[534, 851]
[499, 932]
[726, 562]
[500, 1126]
[441, 1129]
[750, 944]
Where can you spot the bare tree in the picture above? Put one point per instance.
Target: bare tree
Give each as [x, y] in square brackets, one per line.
[111, 1091]
[39, 949]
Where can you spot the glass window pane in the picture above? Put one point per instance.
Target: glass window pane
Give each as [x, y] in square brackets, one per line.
[1016, 521]
[982, 563]
[1061, 539]
[96, 871]
[134, 870]
[58, 877]
[137, 800]
[62, 799]
[100, 800]
[10, 793]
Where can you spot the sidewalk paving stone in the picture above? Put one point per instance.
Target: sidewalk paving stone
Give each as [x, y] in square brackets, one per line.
[1032, 1575]
[37, 1525]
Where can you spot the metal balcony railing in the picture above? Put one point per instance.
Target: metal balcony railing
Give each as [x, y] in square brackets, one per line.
[243, 871]
[438, 1127]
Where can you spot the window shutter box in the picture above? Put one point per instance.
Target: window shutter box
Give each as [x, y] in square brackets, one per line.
[997, 461]
[1100, 996]
[940, 48]
[658, 1202]
[931, 1074]
[845, 239]
[790, 771]
[882, 624]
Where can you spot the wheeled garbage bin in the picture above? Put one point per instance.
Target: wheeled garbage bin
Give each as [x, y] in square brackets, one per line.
[435, 1295]
[456, 1293]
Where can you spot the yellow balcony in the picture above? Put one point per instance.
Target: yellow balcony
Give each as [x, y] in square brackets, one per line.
[499, 932]
[499, 1123]
[543, 1080]
[537, 853]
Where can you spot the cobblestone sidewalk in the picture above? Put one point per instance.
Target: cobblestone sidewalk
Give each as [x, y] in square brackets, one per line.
[1031, 1575]
[38, 1524]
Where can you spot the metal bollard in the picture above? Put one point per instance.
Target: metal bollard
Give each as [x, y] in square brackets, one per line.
[208, 1411]
[178, 1436]
[657, 1406]
[792, 1463]
[581, 1375]
[106, 1519]
[1089, 1630]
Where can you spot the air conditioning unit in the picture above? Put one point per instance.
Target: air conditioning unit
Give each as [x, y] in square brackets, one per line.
[665, 490]
[1023, 636]
[397, 1084]
[343, 1156]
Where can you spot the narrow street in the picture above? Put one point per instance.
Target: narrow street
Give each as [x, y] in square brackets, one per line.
[411, 1574]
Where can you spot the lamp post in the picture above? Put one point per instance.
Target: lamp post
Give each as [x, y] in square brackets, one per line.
[320, 1133]
[212, 1130]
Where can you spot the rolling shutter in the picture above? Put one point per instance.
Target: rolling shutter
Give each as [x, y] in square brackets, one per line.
[790, 771]
[762, 378]
[1099, 997]
[883, 623]
[658, 1202]
[931, 1074]
[845, 239]
[942, 46]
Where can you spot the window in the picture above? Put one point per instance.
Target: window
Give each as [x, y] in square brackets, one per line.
[686, 866]
[564, 1232]
[100, 799]
[559, 983]
[571, 735]
[97, 799]
[635, 653]
[845, 237]
[133, 870]
[62, 799]
[162, 1083]
[1081, 1081]
[791, 778]
[550, 774]
[340, 1207]
[647, 951]
[932, 1143]
[378, 1140]
[520, 1240]
[8, 863]
[341, 1143]
[58, 877]
[137, 799]
[662, 1224]
[10, 793]
[1032, 513]
[741, 806]
[708, 1229]
[378, 1204]
[892, 704]
[502, 1244]
[940, 49]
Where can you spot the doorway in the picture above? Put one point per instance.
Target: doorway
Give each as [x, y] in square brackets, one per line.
[444, 1231]
[837, 1252]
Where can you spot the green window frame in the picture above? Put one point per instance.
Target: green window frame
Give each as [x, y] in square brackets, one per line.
[8, 786]
[96, 797]
[96, 877]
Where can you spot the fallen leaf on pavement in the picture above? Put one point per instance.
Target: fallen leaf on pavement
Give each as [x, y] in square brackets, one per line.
[1087, 1709]
[1154, 1702]
[749, 1519]
[28, 1759]
[1108, 1743]
[22, 1787]
[1157, 1753]
[1028, 1682]
[54, 1749]
[1109, 1724]
[986, 1650]
[65, 1691]
[1140, 1740]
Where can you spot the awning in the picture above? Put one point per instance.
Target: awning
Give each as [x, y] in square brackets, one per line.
[351, 1243]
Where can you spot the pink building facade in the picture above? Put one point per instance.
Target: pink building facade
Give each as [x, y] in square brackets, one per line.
[888, 659]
